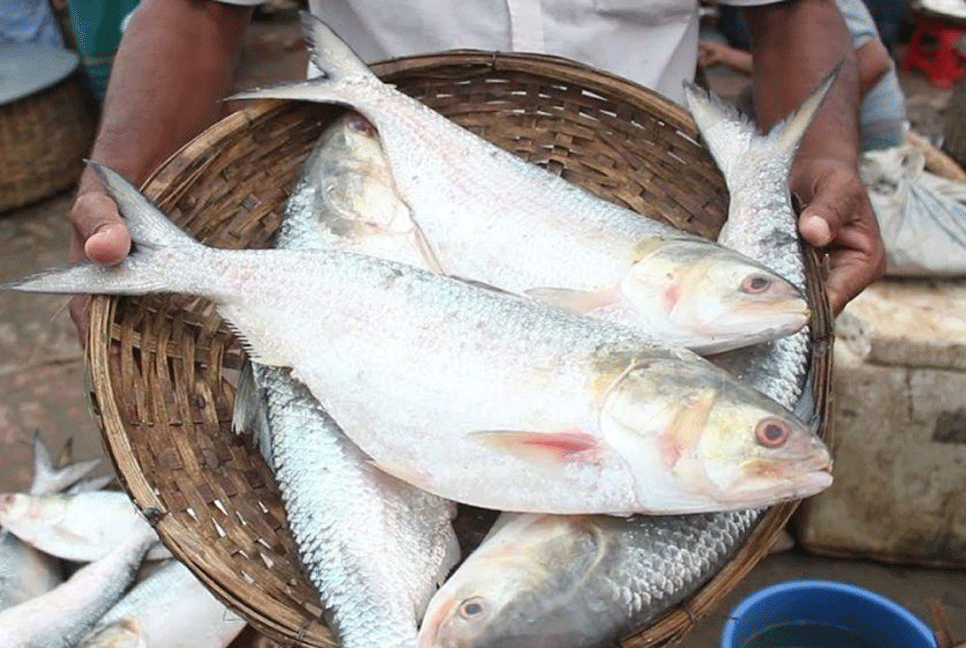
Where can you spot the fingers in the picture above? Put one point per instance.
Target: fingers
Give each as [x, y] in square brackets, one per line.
[840, 220]
[79, 307]
[100, 234]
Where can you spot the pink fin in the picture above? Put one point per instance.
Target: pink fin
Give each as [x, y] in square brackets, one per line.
[562, 446]
[575, 301]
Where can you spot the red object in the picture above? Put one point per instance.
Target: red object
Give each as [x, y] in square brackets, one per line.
[938, 57]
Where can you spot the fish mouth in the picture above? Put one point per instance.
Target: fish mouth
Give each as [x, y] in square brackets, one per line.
[429, 631]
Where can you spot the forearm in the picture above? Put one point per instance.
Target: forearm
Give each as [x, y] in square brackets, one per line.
[173, 68]
[795, 43]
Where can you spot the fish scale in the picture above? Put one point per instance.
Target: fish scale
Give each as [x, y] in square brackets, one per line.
[477, 395]
[492, 217]
[374, 548]
[642, 565]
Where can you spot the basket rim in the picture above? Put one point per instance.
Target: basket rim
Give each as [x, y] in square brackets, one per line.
[192, 159]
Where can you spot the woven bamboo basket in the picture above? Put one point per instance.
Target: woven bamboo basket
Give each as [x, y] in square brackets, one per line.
[44, 138]
[161, 367]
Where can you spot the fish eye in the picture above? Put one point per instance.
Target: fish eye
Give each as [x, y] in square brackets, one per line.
[772, 432]
[755, 284]
[473, 608]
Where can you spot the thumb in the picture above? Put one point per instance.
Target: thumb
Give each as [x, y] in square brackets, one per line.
[835, 201]
[101, 233]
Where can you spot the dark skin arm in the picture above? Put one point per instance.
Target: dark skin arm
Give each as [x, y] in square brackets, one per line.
[794, 45]
[172, 71]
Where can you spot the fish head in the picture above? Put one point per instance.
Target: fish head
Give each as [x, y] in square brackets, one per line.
[708, 442]
[25, 511]
[722, 299]
[519, 588]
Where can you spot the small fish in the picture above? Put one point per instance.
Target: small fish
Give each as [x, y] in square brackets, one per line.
[374, 547]
[492, 217]
[25, 572]
[170, 609]
[60, 617]
[81, 527]
[476, 395]
[584, 581]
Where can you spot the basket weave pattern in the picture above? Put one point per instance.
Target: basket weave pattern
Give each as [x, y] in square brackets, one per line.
[44, 138]
[161, 367]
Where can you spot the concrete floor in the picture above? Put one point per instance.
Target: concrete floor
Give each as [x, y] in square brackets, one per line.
[41, 364]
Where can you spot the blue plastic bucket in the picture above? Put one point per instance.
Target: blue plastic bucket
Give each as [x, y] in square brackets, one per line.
[864, 614]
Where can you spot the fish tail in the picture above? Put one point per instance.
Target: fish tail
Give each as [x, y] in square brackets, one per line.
[48, 478]
[341, 69]
[786, 135]
[148, 269]
[726, 132]
[729, 135]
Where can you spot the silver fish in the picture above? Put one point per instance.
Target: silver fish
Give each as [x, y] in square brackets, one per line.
[119, 634]
[492, 217]
[374, 547]
[60, 617]
[26, 573]
[476, 395]
[568, 581]
[172, 609]
[577, 582]
[80, 527]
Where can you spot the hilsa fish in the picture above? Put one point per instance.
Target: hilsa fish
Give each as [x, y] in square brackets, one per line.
[81, 527]
[60, 617]
[169, 609]
[25, 572]
[374, 547]
[489, 216]
[476, 395]
[585, 581]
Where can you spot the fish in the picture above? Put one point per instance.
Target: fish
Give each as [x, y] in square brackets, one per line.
[61, 617]
[170, 609]
[574, 581]
[82, 527]
[477, 395]
[118, 634]
[26, 573]
[490, 216]
[761, 222]
[374, 547]
[584, 581]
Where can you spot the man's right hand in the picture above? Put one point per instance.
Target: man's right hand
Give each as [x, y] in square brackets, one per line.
[99, 235]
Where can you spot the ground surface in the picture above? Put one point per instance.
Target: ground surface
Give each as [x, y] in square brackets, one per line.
[41, 366]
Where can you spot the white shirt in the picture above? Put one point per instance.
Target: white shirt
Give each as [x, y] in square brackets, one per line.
[652, 42]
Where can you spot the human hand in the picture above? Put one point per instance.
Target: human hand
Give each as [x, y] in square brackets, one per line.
[712, 53]
[837, 217]
[98, 234]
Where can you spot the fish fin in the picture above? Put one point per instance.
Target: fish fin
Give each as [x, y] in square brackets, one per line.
[148, 225]
[249, 411]
[340, 67]
[482, 285]
[786, 134]
[686, 427]
[575, 301]
[90, 484]
[143, 271]
[329, 53]
[48, 478]
[726, 132]
[426, 251]
[563, 446]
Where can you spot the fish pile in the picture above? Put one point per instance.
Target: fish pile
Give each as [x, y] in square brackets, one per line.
[123, 590]
[442, 323]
